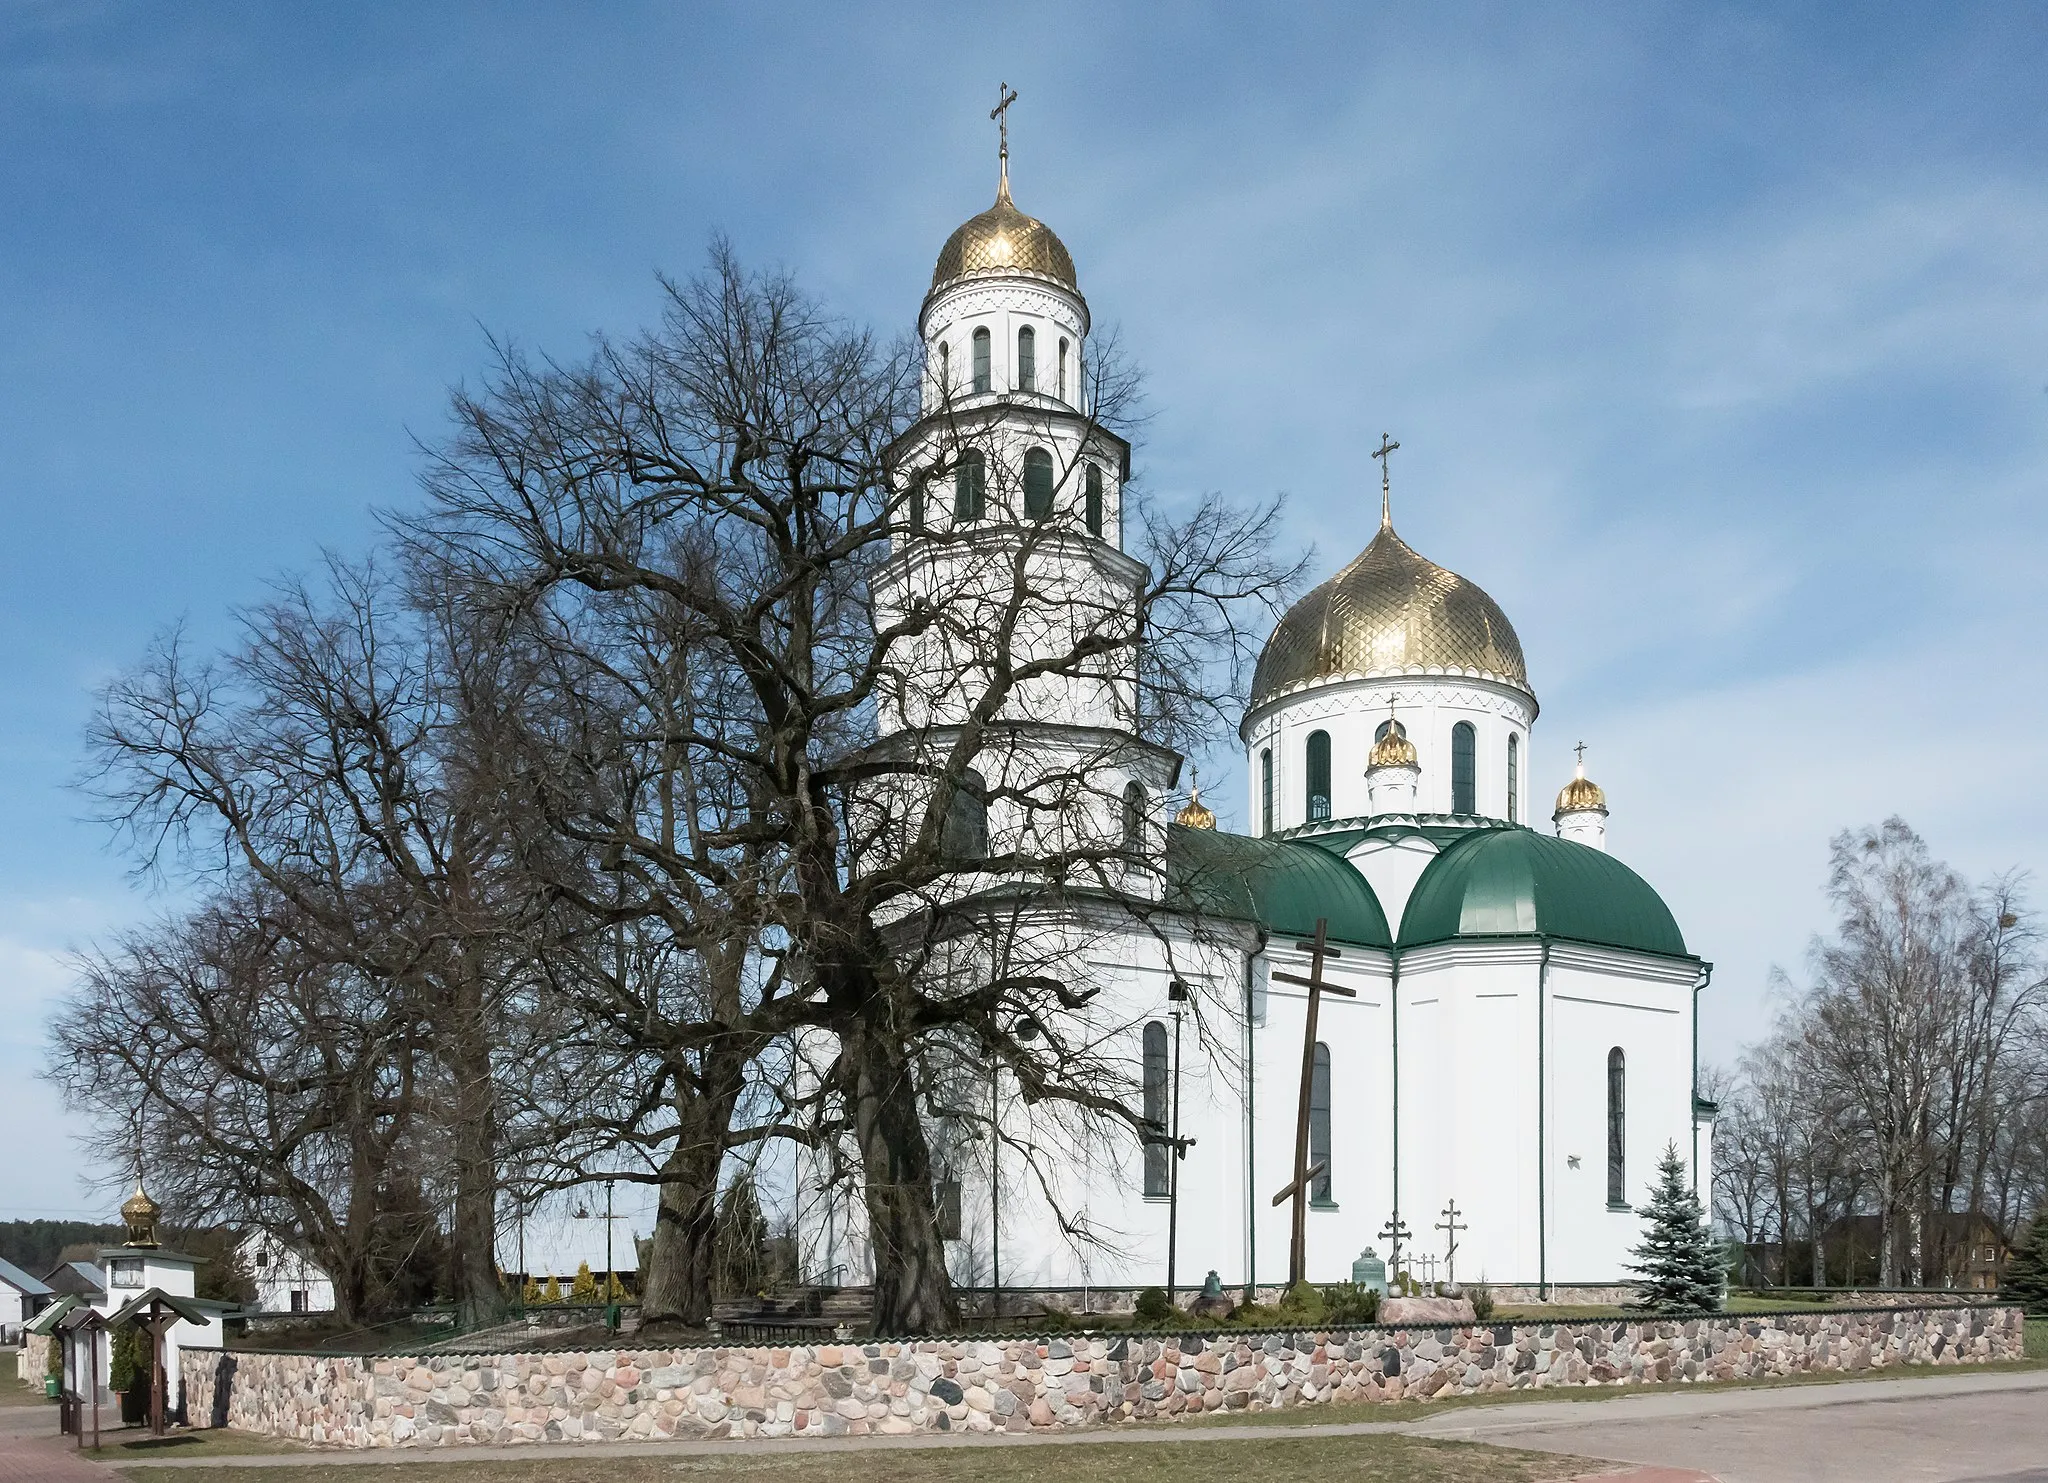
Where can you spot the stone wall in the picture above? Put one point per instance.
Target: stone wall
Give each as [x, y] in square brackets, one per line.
[1022, 1385]
[32, 1364]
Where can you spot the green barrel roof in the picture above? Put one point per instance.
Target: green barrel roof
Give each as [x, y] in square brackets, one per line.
[1518, 883]
[1281, 885]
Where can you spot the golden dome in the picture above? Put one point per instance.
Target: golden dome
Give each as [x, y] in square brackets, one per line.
[1004, 240]
[1580, 796]
[1194, 815]
[1392, 750]
[139, 1213]
[1389, 612]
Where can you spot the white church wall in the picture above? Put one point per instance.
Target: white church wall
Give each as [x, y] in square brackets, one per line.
[1597, 1001]
[1391, 868]
[1351, 712]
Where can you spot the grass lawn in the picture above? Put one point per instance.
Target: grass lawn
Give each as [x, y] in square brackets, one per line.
[135, 1445]
[2037, 1338]
[1369, 1459]
[12, 1391]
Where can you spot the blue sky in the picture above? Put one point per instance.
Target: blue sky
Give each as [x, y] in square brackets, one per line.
[1716, 339]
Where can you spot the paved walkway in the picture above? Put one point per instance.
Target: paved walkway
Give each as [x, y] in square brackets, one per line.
[30, 1449]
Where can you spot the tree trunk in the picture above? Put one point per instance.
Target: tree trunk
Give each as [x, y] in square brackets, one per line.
[677, 1284]
[913, 1294]
[473, 1242]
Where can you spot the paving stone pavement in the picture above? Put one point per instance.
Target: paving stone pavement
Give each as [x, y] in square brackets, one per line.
[32, 1452]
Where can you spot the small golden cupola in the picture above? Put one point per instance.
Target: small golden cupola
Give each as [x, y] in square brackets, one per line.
[139, 1213]
[1195, 814]
[1581, 812]
[1393, 749]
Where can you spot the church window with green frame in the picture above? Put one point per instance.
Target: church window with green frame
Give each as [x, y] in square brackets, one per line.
[983, 378]
[1318, 775]
[1464, 768]
[1037, 484]
[970, 485]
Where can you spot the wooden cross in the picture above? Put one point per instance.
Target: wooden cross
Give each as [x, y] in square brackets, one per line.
[1450, 1227]
[1005, 96]
[1387, 446]
[1297, 1250]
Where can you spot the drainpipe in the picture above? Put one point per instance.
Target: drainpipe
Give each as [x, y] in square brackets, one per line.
[1251, 1076]
[1542, 1132]
[1706, 977]
[1394, 1002]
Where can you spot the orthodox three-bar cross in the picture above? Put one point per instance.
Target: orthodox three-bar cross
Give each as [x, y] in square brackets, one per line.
[1450, 1226]
[1387, 446]
[1304, 1175]
[1005, 96]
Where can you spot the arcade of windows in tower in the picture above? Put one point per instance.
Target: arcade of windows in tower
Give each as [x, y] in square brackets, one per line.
[984, 376]
[1027, 359]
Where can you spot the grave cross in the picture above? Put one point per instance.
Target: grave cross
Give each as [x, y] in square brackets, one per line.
[1450, 1226]
[1396, 1231]
[1304, 1175]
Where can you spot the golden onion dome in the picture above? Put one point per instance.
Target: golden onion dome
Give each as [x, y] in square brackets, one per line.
[139, 1213]
[1580, 796]
[1194, 815]
[1003, 239]
[1390, 612]
[1392, 750]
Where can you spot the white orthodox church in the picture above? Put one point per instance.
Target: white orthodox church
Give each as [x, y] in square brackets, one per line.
[1519, 1039]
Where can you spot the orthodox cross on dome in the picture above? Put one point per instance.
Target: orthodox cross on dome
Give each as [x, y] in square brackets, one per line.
[1581, 750]
[1387, 445]
[1005, 96]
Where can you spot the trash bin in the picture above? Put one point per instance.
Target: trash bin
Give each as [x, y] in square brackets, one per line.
[50, 1387]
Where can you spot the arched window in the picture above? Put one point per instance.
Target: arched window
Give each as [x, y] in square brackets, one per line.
[1063, 367]
[1155, 1108]
[945, 367]
[1027, 359]
[970, 485]
[1464, 743]
[1319, 1125]
[1617, 1129]
[1037, 484]
[981, 371]
[1091, 500]
[917, 503]
[966, 831]
[1134, 817]
[1266, 791]
[1318, 775]
[1514, 778]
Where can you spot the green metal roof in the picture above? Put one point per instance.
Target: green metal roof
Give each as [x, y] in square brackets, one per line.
[1518, 883]
[1278, 884]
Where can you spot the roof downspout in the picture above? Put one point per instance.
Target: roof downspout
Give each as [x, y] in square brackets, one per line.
[1706, 977]
[1251, 1125]
[1394, 1001]
[1542, 1131]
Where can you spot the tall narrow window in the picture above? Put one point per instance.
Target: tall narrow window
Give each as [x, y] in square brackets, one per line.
[1318, 775]
[1319, 1125]
[946, 1207]
[1134, 817]
[1063, 368]
[1617, 1129]
[1514, 778]
[970, 485]
[981, 371]
[917, 503]
[1091, 500]
[1155, 1108]
[945, 368]
[1266, 791]
[1037, 484]
[1027, 359]
[965, 835]
[1464, 743]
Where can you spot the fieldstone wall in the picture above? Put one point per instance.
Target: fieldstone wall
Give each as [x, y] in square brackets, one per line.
[1023, 1384]
[32, 1365]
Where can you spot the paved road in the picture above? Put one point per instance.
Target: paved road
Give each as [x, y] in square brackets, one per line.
[1946, 1429]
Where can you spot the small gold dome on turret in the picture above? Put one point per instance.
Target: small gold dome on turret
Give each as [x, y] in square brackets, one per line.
[1581, 795]
[1194, 815]
[139, 1213]
[1392, 750]
[1003, 239]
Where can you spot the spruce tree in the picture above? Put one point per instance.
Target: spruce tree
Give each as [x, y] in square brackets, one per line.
[1678, 1264]
[2026, 1275]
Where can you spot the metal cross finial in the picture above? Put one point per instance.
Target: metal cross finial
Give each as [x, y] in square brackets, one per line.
[1581, 750]
[1005, 96]
[1387, 445]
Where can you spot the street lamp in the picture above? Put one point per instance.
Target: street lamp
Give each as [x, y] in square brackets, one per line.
[611, 1305]
[1176, 995]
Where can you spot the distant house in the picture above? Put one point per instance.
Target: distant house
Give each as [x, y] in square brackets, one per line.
[287, 1280]
[20, 1296]
[78, 1279]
